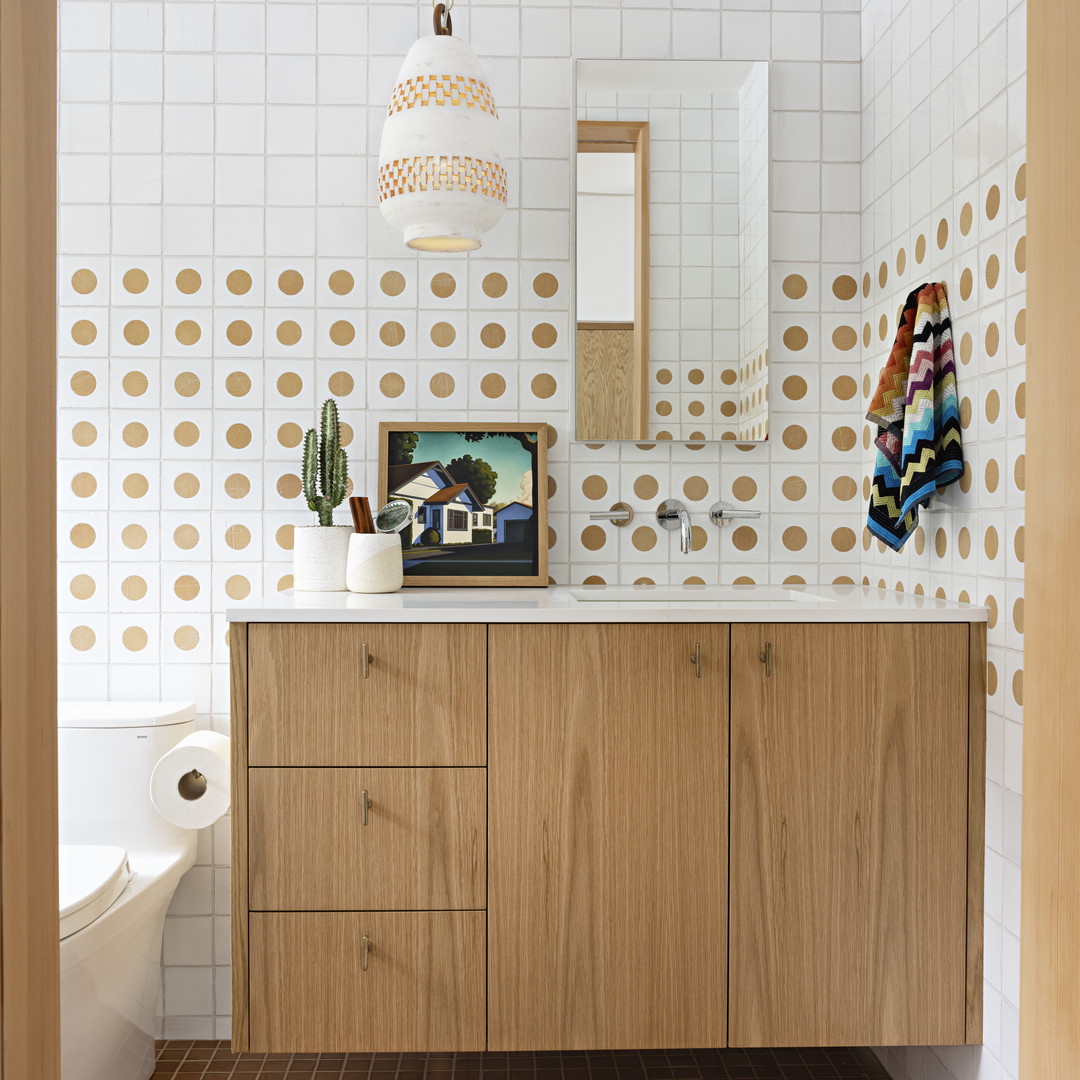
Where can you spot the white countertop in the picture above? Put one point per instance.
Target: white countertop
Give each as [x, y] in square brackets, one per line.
[814, 603]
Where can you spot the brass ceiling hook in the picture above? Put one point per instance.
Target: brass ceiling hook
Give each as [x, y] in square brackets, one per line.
[444, 25]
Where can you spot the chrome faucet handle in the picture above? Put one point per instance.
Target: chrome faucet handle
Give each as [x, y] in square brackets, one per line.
[619, 515]
[720, 513]
[672, 514]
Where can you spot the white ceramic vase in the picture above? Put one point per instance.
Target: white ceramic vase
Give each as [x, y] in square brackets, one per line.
[441, 179]
[320, 555]
[374, 564]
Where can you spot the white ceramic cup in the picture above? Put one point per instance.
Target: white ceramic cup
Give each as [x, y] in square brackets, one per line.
[374, 564]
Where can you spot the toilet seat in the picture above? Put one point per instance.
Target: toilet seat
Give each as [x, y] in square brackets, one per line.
[92, 877]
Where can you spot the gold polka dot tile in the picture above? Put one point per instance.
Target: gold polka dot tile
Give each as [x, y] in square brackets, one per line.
[392, 283]
[135, 281]
[971, 545]
[84, 281]
[404, 314]
[495, 285]
[188, 281]
[84, 332]
[290, 282]
[289, 332]
[341, 282]
[238, 332]
[238, 282]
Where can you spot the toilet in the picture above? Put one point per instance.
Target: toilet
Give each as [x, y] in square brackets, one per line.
[120, 863]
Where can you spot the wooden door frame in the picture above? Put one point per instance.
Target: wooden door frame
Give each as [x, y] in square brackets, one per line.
[29, 916]
[1050, 883]
[29, 1024]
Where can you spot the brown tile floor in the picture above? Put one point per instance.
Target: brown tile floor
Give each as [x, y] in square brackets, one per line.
[206, 1059]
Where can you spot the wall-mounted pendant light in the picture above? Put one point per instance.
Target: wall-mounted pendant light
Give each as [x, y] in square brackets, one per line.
[441, 179]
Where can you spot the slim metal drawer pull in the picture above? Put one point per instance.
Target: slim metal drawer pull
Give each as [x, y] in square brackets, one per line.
[766, 659]
[365, 806]
[695, 659]
[366, 661]
[365, 949]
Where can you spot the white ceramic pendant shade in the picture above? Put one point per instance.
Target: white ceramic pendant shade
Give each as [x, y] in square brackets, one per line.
[441, 178]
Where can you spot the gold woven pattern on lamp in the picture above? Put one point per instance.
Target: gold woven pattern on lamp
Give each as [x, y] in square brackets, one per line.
[456, 90]
[432, 173]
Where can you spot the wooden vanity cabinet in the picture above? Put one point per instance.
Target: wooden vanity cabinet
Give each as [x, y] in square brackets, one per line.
[359, 837]
[607, 836]
[607, 908]
[850, 862]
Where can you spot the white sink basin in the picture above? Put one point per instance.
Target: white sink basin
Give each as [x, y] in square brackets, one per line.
[709, 594]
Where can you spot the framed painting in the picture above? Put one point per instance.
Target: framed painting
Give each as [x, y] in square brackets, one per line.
[478, 500]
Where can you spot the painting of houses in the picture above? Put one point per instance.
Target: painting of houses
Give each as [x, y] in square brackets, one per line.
[511, 522]
[439, 505]
[474, 498]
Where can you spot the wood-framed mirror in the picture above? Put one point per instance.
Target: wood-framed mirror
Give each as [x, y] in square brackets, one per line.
[671, 232]
[613, 278]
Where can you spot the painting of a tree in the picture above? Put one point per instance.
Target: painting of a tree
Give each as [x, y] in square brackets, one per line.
[527, 439]
[475, 472]
[401, 447]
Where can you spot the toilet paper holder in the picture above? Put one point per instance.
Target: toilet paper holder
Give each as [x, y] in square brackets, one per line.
[192, 785]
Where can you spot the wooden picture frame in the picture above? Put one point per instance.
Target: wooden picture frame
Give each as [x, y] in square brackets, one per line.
[460, 526]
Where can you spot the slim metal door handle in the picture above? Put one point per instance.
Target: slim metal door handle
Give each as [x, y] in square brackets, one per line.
[695, 659]
[365, 949]
[366, 660]
[766, 659]
[365, 806]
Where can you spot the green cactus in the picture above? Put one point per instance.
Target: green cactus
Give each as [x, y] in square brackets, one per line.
[325, 466]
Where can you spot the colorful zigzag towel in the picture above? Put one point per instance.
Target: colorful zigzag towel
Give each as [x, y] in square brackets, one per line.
[915, 407]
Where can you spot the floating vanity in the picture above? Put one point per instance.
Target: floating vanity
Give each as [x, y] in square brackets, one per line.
[520, 820]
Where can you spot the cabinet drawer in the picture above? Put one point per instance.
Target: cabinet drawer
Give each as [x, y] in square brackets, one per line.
[423, 988]
[419, 700]
[423, 845]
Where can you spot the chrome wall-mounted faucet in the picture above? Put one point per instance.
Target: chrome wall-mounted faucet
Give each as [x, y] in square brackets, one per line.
[720, 513]
[672, 514]
[620, 515]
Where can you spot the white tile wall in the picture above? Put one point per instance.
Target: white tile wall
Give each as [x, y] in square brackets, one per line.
[943, 198]
[237, 142]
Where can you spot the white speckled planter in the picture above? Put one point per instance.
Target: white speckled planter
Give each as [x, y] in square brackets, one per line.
[441, 179]
[374, 563]
[320, 555]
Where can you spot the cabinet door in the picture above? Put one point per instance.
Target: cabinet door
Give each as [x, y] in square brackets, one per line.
[419, 699]
[422, 990]
[421, 843]
[607, 837]
[849, 768]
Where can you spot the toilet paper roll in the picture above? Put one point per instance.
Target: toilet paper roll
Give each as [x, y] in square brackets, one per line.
[190, 784]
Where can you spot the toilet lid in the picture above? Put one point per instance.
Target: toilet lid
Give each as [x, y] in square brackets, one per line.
[92, 876]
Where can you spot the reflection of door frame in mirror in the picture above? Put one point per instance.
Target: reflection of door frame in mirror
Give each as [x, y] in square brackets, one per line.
[603, 375]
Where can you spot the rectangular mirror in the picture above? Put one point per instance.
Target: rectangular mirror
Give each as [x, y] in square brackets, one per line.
[671, 250]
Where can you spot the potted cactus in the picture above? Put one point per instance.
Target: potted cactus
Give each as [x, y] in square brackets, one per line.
[320, 551]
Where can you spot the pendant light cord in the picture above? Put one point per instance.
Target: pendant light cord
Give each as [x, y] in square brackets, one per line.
[444, 25]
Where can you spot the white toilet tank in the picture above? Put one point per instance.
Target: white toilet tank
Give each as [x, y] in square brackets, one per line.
[107, 751]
